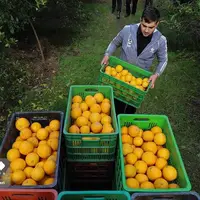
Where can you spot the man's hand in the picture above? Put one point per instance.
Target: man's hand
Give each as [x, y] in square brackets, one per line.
[153, 80]
[105, 60]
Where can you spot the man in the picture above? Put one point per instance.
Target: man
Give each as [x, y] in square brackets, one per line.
[119, 7]
[140, 43]
[128, 7]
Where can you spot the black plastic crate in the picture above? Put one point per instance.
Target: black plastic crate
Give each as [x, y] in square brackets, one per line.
[43, 117]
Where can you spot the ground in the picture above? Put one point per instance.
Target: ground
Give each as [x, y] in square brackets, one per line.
[176, 93]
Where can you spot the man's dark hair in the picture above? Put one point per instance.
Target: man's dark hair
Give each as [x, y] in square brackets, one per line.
[150, 14]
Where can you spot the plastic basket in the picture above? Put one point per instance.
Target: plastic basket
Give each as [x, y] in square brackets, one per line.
[166, 196]
[94, 195]
[123, 91]
[146, 122]
[80, 176]
[30, 194]
[12, 133]
[90, 147]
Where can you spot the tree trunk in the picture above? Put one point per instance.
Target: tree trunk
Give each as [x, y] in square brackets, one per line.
[38, 41]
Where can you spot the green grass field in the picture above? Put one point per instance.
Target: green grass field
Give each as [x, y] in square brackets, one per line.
[176, 93]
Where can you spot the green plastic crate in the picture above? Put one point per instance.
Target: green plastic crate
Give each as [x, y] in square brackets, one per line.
[146, 122]
[90, 147]
[94, 195]
[123, 91]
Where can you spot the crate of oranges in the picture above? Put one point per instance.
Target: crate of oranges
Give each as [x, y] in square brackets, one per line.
[30, 151]
[148, 158]
[90, 127]
[130, 83]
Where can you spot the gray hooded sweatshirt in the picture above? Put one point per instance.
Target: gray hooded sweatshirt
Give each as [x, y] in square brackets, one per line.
[127, 39]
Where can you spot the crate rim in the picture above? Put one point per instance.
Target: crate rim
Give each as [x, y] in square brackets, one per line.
[58, 152]
[66, 133]
[188, 188]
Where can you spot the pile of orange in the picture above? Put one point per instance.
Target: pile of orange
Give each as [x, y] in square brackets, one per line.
[146, 159]
[124, 75]
[33, 154]
[91, 114]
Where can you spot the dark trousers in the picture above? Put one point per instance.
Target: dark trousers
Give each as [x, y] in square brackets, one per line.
[119, 5]
[122, 108]
[148, 3]
[128, 6]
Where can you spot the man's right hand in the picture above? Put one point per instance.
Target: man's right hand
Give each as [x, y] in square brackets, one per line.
[105, 60]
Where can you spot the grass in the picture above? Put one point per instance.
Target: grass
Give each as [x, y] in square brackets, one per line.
[176, 94]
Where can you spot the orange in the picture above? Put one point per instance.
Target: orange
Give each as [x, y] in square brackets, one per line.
[160, 139]
[85, 129]
[29, 181]
[83, 106]
[90, 100]
[124, 130]
[49, 167]
[141, 133]
[119, 68]
[99, 97]
[153, 173]
[124, 72]
[161, 163]
[35, 126]
[54, 125]
[149, 158]
[75, 105]
[128, 78]
[41, 163]
[141, 178]
[52, 157]
[44, 150]
[22, 123]
[145, 84]
[95, 117]
[138, 152]
[53, 143]
[74, 129]
[54, 134]
[16, 144]
[18, 177]
[42, 134]
[138, 81]
[96, 127]
[132, 183]
[106, 101]
[147, 185]
[169, 173]
[86, 114]
[106, 119]
[173, 185]
[95, 108]
[138, 141]
[26, 147]
[19, 139]
[127, 139]
[163, 153]
[133, 130]
[76, 112]
[161, 183]
[32, 159]
[133, 83]
[77, 99]
[48, 181]
[130, 171]
[25, 133]
[105, 107]
[82, 121]
[156, 129]
[127, 148]
[18, 164]
[37, 173]
[131, 158]
[149, 146]
[33, 140]
[12, 154]
[148, 136]
[141, 167]
[107, 128]
[42, 142]
[28, 171]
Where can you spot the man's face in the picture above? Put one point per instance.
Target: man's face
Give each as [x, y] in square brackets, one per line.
[148, 28]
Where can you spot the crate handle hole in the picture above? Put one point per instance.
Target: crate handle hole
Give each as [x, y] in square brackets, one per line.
[91, 90]
[163, 198]
[23, 195]
[93, 198]
[92, 139]
[141, 119]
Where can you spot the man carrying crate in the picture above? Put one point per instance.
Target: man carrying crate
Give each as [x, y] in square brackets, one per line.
[140, 44]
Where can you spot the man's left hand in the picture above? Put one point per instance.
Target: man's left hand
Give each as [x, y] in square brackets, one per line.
[153, 80]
